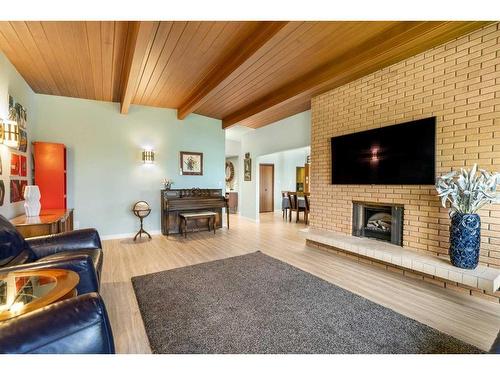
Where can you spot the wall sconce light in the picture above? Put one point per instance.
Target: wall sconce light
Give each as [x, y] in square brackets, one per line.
[148, 156]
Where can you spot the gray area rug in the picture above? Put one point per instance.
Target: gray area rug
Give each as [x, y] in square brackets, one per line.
[257, 304]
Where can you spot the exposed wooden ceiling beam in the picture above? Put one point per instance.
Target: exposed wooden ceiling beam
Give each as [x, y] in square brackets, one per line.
[139, 40]
[381, 50]
[230, 63]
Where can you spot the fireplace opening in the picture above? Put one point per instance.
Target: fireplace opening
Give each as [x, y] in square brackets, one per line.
[379, 221]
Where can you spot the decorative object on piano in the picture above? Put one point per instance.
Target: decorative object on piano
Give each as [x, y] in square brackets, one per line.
[148, 156]
[2, 192]
[15, 164]
[247, 167]
[229, 173]
[141, 209]
[167, 183]
[191, 163]
[32, 204]
[15, 191]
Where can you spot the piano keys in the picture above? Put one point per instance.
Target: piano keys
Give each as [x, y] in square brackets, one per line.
[175, 201]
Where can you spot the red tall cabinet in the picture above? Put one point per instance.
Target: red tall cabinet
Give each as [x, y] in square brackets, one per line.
[49, 161]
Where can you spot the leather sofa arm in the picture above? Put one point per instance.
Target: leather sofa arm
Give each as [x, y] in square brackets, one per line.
[81, 264]
[78, 325]
[495, 348]
[68, 241]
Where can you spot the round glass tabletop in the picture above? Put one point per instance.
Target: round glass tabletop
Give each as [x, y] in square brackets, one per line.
[24, 291]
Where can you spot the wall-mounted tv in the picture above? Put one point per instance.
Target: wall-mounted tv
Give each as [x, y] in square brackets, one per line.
[403, 154]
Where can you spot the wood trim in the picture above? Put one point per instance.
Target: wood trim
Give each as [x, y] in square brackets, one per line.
[233, 61]
[272, 186]
[139, 41]
[376, 53]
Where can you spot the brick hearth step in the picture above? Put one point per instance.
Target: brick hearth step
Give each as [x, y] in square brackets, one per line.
[483, 277]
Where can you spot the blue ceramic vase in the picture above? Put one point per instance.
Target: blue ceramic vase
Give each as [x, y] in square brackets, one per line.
[465, 240]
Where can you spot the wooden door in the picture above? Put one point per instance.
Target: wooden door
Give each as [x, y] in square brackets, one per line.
[266, 187]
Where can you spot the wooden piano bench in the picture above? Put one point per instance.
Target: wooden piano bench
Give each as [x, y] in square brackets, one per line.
[186, 217]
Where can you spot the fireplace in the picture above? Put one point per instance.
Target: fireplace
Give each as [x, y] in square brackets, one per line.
[378, 220]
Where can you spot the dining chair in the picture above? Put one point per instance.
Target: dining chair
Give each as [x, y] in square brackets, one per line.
[295, 205]
[308, 205]
[285, 204]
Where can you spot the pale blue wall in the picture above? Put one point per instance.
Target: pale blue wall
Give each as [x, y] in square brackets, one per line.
[105, 172]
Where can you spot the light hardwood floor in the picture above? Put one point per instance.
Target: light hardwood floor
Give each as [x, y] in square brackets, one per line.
[470, 319]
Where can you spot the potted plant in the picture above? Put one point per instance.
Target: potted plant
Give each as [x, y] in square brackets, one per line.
[167, 183]
[467, 192]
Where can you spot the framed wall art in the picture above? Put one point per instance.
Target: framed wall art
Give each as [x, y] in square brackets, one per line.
[2, 192]
[15, 166]
[247, 167]
[23, 170]
[191, 163]
[15, 191]
[22, 185]
[23, 140]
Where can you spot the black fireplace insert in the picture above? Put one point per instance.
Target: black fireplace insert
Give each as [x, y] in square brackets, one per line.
[380, 221]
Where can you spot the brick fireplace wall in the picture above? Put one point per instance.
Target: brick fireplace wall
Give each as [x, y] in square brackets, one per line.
[459, 83]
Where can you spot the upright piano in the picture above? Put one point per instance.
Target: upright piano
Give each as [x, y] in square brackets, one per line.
[175, 201]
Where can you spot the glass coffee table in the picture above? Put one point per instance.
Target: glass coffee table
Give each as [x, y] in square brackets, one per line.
[25, 291]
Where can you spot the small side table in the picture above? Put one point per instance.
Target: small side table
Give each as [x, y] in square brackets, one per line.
[50, 221]
[25, 291]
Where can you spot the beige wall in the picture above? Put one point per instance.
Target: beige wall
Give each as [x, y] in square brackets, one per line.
[459, 83]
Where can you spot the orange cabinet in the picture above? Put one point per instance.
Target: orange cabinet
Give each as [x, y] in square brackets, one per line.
[50, 173]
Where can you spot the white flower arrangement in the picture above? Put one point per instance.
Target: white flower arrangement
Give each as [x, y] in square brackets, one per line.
[468, 191]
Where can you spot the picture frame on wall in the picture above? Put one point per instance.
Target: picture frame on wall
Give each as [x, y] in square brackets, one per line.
[23, 140]
[247, 167]
[15, 191]
[15, 161]
[19, 112]
[22, 185]
[191, 163]
[2, 192]
[23, 171]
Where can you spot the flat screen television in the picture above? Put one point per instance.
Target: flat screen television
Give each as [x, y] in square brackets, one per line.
[403, 154]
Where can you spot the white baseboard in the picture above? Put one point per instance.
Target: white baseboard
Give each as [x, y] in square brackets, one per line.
[127, 235]
[248, 218]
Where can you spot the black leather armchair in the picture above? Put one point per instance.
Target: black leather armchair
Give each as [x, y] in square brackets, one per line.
[79, 251]
[79, 325]
[495, 348]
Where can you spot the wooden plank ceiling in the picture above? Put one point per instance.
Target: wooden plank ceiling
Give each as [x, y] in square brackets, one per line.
[247, 73]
